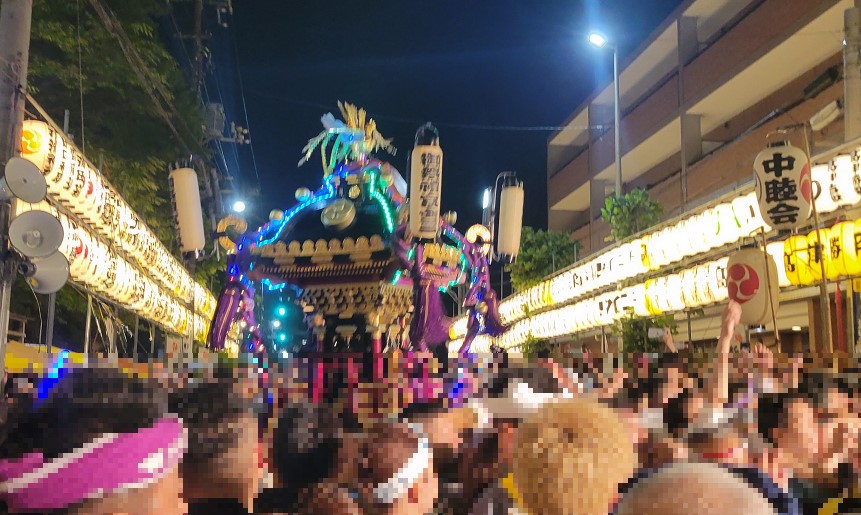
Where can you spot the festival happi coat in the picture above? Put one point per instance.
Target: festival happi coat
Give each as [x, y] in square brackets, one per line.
[363, 276]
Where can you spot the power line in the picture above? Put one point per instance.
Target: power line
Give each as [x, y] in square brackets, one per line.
[451, 125]
[148, 81]
[244, 106]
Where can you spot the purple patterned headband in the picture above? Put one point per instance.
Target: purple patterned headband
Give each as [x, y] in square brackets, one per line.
[109, 464]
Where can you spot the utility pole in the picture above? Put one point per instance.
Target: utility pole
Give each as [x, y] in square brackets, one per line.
[15, 19]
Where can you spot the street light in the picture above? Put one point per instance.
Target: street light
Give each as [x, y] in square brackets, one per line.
[239, 206]
[599, 40]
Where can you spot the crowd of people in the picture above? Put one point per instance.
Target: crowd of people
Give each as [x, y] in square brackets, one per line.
[746, 432]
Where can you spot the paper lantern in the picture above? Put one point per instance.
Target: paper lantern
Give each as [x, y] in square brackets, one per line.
[845, 181]
[185, 197]
[425, 184]
[796, 254]
[817, 244]
[510, 224]
[747, 216]
[842, 247]
[727, 230]
[822, 186]
[752, 282]
[784, 188]
[775, 250]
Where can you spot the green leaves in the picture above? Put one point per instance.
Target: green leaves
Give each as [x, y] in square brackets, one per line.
[631, 213]
[635, 333]
[541, 252]
[534, 347]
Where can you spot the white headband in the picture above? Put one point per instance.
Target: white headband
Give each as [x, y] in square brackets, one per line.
[519, 401]
[397, 486]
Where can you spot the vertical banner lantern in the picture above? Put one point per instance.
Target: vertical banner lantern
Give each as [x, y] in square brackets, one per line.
[425, 183]
[185, 196]
[752, 282]
[510, 219]
[784, 188]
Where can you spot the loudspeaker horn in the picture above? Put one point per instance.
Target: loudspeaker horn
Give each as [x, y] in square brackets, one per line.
[47, 275]
[36, 234]
[23, 180]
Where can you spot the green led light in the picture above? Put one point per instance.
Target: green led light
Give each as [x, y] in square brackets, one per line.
[384, 204]
[397, 277]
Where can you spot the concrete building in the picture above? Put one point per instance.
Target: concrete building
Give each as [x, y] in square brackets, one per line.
[697, 100]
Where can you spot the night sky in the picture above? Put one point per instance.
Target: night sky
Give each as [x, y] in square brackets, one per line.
[456, 63]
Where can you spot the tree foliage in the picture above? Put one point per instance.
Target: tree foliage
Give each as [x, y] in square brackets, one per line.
[634, 332]
[119, 128]
[541, 253]
[534, 347]
[631, 213]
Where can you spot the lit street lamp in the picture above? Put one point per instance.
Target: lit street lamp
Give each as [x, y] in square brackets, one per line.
[239, 206]
[599, 40]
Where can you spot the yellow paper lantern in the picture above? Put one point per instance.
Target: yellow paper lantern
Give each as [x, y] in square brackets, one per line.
[844, 240]
[817, 242]
[796, 256]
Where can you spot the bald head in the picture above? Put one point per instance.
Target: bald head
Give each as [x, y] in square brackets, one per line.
[702, 488]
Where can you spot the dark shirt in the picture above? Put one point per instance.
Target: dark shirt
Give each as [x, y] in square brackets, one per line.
[217, 507]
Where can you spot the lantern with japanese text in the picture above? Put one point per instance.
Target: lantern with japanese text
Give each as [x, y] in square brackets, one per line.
[783, 185]
[842, 247]
[818, 249]
[425, 183]
[752, 282]
[845, 181]
[796, 260]
[747, 214]
[821, 175]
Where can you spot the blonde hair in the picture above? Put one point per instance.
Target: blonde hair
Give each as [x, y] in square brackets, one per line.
[570, 458]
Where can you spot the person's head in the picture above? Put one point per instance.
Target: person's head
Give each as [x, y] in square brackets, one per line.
[680, 411]
[306, 446]
[95, 420]
[570, 458]
[672, 370]
[328, 499]
[722, 445]
[787, 421]
[397, 475]
[222, 456]
[686, 488]
[836, 398]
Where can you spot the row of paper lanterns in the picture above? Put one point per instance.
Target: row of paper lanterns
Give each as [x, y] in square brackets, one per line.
[712, 228]
[794, 262]
[76, 183]
[97, 266]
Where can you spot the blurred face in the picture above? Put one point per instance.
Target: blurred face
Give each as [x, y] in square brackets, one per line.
[801, 436]
[836, 402]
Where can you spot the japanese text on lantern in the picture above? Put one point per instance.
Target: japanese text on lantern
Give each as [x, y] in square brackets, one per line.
[780, 190]
[430, 188]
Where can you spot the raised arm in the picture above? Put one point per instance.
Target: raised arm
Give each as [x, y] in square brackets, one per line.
[720, 381]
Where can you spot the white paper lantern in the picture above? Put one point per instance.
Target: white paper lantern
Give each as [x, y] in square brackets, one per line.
[784, 189]
[752, 281]
[845, 181]
[822, 186]
[510, 220]
[747, 215]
